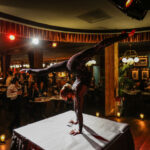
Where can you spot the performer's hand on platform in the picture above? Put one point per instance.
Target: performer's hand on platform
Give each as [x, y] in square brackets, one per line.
[73, 122]
[74, 132]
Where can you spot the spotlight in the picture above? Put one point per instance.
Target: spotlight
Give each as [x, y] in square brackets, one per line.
[128, 3]
[11, 37]
[35, 41]
[132, 8]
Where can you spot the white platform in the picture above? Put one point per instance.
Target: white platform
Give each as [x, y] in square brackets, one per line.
[98, 133]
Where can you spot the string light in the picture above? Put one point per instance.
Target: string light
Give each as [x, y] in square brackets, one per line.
[54, 44]
[118, 114]
[2, 138]
[97, 114]
[130, 57]
[142, 116]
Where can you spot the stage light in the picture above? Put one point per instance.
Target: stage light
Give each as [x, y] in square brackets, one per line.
[12, 37]
[142, 116]
[2, 138]
[54, 44]
[132, 8]
[35, 41]
[124, 60]
[128, 3]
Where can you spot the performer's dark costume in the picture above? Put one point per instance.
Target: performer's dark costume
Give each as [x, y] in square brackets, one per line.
[76, 64]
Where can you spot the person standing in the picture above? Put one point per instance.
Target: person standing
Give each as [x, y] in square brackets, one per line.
[14, 93]
[9, 78]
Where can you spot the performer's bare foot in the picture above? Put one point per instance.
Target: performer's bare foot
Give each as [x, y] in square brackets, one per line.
[73, 122]
[74, 132]
[131, 33]
[25, 70]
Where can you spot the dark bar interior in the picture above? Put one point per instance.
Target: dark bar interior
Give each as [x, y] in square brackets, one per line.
[74, 75]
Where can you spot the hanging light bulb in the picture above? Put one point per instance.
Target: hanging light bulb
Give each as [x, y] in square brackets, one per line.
[124, 60]
[136, 59]
[130, 56]
[130, 61]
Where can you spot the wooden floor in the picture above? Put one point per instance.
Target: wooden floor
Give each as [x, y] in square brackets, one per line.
[140, 128]
[140, 131]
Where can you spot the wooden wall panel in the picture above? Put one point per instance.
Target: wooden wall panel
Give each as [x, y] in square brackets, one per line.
[111, 78]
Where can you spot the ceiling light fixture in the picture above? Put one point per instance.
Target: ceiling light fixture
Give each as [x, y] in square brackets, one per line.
[12, 37]
[35, 41]
[130, 57]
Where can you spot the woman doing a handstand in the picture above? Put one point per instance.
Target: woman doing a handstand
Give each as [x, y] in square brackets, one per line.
[76, 65]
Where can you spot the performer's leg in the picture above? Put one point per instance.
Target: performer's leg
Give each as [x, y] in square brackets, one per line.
[78, 60]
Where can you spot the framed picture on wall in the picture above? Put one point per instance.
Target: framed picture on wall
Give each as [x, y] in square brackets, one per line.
[145, 74]
[135, 74]
[143, 62]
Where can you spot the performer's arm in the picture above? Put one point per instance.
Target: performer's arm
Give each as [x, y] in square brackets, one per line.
[79, 99]
[54, 68]
[76, 112]
[79, 116]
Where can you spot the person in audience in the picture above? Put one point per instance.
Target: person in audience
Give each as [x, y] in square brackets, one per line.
[9, 78]
[17, 75]
[42, 89]
[30, 80]
[35, 90]
[142, 85]
[21, 79]
[76, 65]
[14, 93]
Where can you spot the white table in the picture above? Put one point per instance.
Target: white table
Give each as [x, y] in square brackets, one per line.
[53, 134]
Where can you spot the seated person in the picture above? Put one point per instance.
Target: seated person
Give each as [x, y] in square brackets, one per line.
[142, 85]
[42, 89]
[35, 90]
